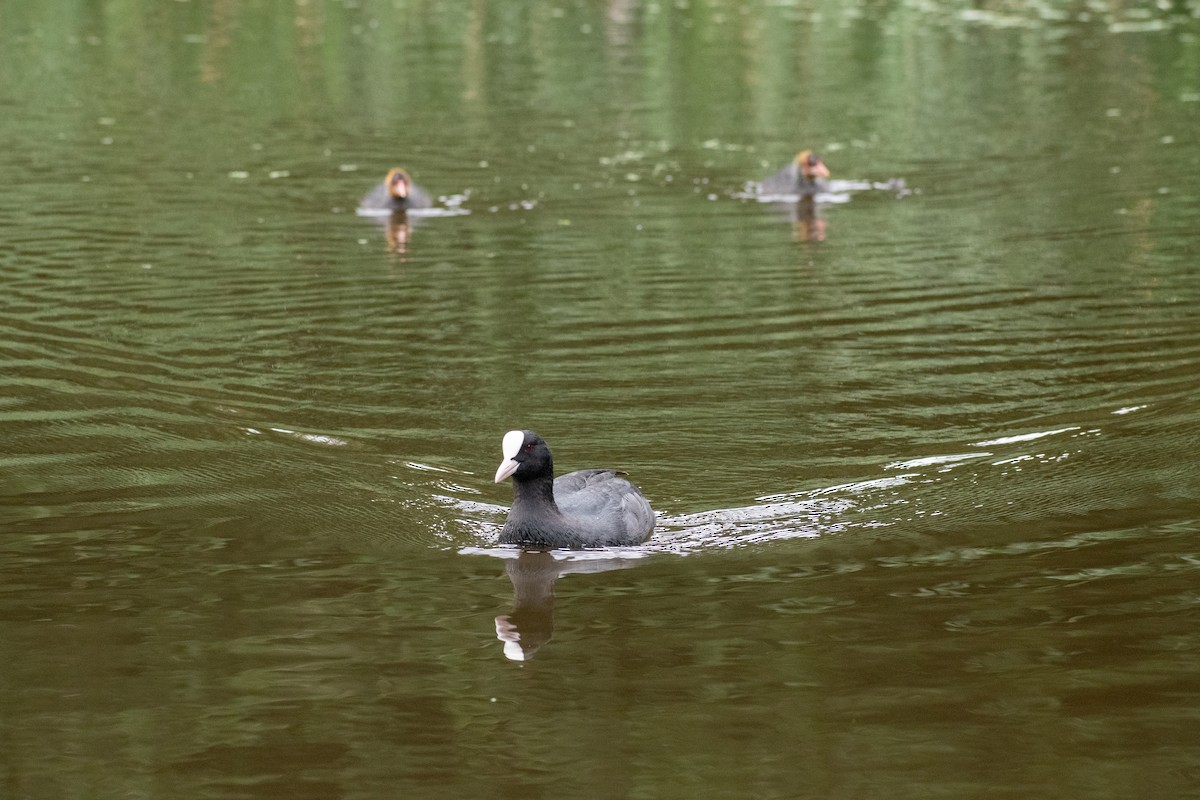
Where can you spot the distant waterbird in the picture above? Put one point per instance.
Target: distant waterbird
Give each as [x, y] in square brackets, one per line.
[397, 192]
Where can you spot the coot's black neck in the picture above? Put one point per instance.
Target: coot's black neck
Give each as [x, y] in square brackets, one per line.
[534, 519]
[535, 492]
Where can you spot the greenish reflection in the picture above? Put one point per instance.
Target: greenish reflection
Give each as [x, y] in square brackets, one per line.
[929, 484]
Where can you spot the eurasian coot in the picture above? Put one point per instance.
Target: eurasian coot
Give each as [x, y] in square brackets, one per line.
[396, 193]
[805, 176]
[588, 508]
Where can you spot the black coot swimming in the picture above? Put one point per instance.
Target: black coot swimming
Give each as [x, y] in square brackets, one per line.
[588, 508]
[396, 193]
[805, 176]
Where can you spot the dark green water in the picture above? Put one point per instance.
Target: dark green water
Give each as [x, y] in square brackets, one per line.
[928, 489]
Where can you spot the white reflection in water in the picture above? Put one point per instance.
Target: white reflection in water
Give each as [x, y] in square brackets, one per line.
[1025, 437]
[454, 211]
[836, 193]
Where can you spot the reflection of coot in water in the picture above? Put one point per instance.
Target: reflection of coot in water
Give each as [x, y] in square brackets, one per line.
[531, 623]
[808, 225]
[533, 573]
[399, 232]
[805, 176]
[588, 508]
[396, 193]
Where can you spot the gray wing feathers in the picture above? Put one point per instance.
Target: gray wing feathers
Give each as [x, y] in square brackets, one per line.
[783, 182]
[376, 198]
[611, 504]
[638, 516]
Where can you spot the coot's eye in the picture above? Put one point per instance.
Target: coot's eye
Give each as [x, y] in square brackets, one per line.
[528, 448]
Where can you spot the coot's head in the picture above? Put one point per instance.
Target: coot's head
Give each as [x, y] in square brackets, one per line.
[526, 455]
[810, 165]
[397, 181]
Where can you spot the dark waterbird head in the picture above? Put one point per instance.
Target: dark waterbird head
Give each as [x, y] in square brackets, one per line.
[526, 456]
[810, 165]
[397, 183]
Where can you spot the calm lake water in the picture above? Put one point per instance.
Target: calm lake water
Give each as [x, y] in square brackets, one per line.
[924, 454]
